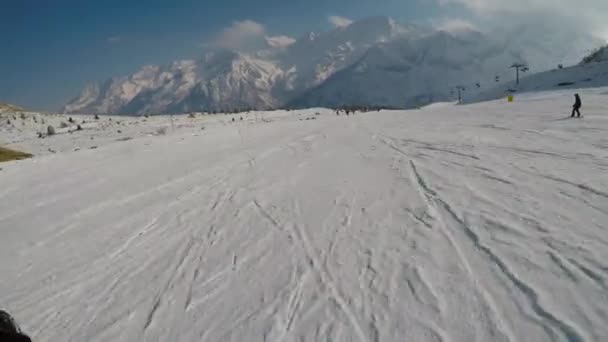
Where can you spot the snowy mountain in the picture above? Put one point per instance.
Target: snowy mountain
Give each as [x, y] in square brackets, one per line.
[152, 87]
[374, 61]
[413, 71]
[218, 80]
[316, 57]
[229, 79]
[410, 72]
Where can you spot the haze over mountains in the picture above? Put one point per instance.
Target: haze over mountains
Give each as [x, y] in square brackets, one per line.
[592, 72]
[375, 62]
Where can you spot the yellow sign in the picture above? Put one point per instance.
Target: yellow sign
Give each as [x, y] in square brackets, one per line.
[510, 98]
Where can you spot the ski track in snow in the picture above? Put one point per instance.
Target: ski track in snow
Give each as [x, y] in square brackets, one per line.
[485, 222]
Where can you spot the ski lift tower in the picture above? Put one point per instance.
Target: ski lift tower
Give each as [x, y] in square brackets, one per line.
[461, 90]
[519, 67]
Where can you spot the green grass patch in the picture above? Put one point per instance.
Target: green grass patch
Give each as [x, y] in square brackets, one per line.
[8, 155]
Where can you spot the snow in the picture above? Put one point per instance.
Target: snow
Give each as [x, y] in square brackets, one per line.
[485, 222]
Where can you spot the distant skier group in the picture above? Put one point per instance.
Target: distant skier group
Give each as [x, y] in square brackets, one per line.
[347, 112]
[352, 110]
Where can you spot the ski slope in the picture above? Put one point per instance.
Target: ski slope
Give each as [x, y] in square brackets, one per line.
[486, 222]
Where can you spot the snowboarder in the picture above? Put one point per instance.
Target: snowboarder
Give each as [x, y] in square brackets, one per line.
[576, 108]
[9, 330]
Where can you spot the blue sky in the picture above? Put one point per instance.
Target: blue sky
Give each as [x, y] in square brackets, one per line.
[52, 48]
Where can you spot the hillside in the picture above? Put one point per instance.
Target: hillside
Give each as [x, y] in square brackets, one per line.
[599, 55]
[9, 108]
[592, 72]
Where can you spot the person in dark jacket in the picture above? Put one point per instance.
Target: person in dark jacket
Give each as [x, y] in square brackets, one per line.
[9, 330]
[576, 108]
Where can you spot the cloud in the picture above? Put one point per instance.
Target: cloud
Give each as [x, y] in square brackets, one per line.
[454, 25]
[523, 6]
[339, 22]
[241, 35]
[538, 27]
[248, 36]
[114, 40]
[586, 15]
[279, 41]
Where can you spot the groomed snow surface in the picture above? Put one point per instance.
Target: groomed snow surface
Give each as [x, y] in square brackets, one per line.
[486, 222]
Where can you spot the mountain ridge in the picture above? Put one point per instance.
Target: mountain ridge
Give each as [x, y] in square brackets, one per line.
[297, 74]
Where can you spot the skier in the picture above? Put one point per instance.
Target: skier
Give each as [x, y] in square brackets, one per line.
[576, 108]
[9, 330]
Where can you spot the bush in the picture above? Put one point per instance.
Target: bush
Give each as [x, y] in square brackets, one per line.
[96, 117]
[192, 115]
[161, 131]
[63, 125]
[50, 130]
